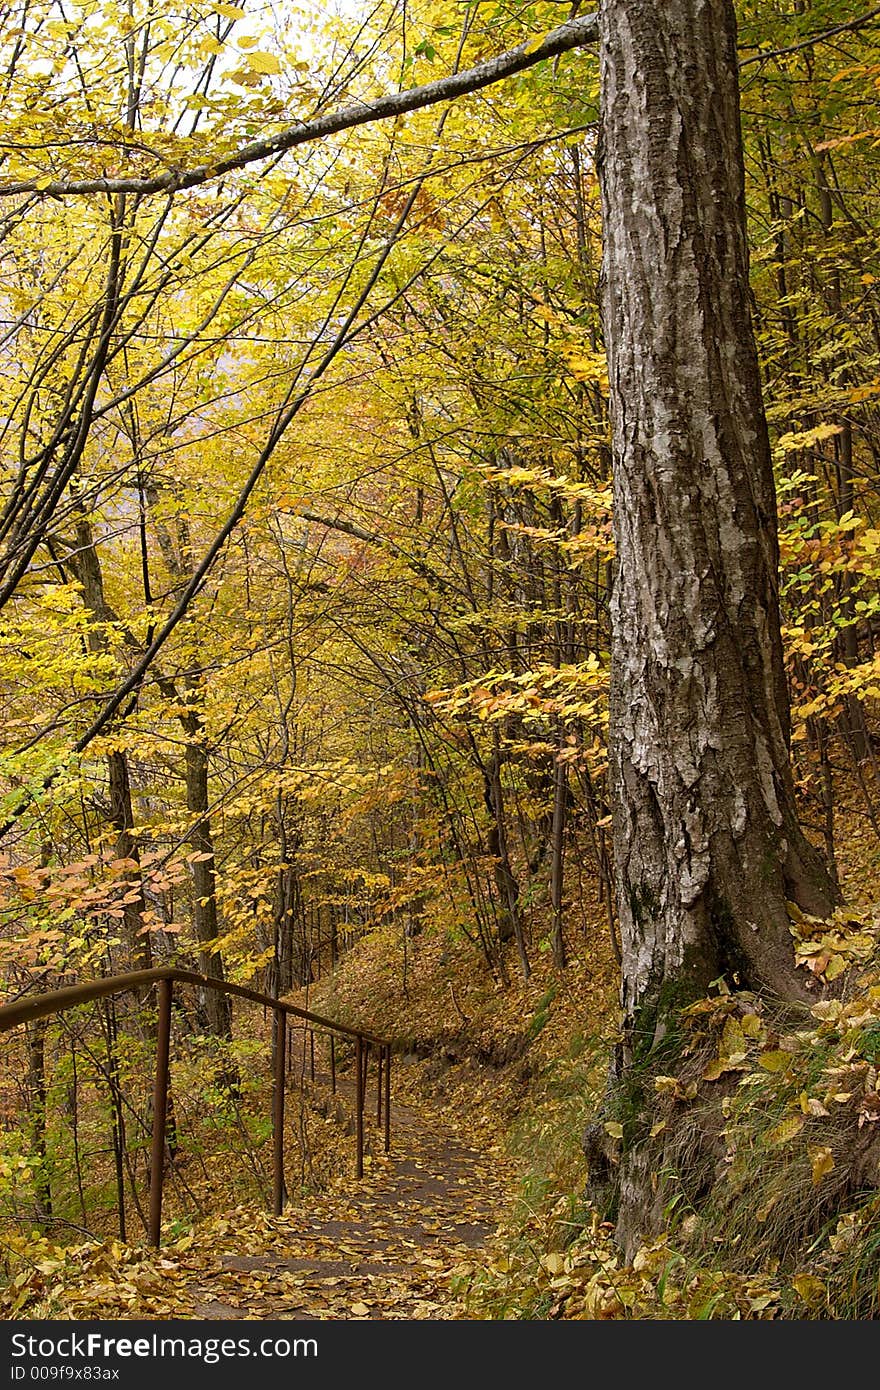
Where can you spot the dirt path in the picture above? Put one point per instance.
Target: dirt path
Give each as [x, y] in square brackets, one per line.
[384, 1247]
[387, 1246]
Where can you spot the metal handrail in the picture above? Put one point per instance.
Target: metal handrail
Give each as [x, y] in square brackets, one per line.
[57, 1001]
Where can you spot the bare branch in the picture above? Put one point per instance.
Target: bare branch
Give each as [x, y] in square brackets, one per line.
[349, 528]
[849, 26]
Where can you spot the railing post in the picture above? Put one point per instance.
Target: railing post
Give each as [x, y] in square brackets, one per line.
[57, 1001]
[278, 1115]
[359, 1105]
[160, 1110]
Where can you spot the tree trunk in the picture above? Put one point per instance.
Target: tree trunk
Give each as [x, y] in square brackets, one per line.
[507, 888]
[86, 566]
[36, 1054]
[557, 856]
[706, 837]
[292, 940]
[217, 1005]
[854, 717]
[122, 816]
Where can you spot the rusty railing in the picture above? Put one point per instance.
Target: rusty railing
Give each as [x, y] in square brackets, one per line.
[27, 1009]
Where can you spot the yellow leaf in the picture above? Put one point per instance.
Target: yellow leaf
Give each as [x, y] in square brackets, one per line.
[534, 44]
[714, 1070]
[657, 1128]
[835, 967]
[732, 1041]
[811, 1289]
[785, 1130]
[823, 1161]
[554, 1263]
[263, 62]
[587, 367]
[751, 1026]
[804, 439]
[774, 1061]
[614, 1129]
[360, 1310]
[757, 1305]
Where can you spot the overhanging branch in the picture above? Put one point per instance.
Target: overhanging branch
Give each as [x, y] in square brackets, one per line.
[575, 34]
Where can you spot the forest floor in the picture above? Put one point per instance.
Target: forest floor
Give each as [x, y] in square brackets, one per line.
[388, 1246]
[478, 1211]
[408, 1240]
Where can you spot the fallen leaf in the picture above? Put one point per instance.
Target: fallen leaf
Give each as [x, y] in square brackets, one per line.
[786, 1129]
[775, 1061]
[811, 1289]
[822, 1161]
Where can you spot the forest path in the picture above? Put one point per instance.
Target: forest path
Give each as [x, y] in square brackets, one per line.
[382, 1247]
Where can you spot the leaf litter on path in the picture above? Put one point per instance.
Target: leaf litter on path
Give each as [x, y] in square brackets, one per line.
[384, 1247]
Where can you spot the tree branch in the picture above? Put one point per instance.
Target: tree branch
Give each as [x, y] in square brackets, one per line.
[349, 528]
[575, 34]
[849, 26]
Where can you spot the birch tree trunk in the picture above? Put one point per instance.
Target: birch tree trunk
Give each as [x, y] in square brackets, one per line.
[706, 837]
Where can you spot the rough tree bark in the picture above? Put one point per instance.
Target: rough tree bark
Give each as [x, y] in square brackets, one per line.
[707, 845]
[706, 836]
